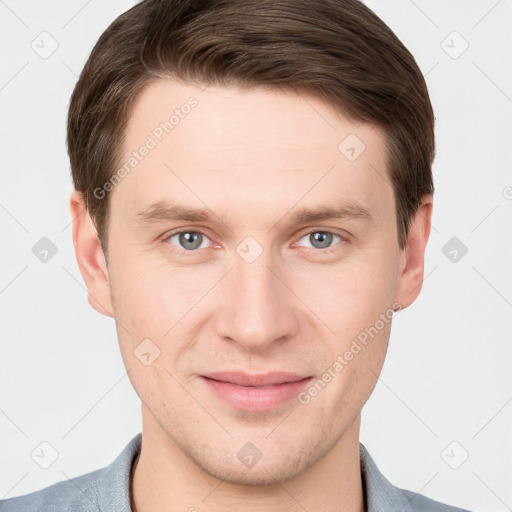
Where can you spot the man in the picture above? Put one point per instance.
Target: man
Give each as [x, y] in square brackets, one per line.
[253, 195]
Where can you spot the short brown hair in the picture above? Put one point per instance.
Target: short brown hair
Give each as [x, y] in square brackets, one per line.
[336, 50]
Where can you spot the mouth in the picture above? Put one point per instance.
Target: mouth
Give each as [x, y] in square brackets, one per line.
[255, 392]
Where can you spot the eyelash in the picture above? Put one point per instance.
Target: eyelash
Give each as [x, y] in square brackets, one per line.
[194, 252]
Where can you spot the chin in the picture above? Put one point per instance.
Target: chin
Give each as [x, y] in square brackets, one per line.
[276, 465]
[263, 475]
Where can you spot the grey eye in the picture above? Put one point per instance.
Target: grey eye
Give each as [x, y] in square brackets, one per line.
[189, 240]
[320, 239]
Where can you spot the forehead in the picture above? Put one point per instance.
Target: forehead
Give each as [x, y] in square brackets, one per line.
[259, 143]
[253, 116]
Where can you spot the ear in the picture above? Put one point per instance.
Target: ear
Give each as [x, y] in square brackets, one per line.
[89, 256]
[410, 280]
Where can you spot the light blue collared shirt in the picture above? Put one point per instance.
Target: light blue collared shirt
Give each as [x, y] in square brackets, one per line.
[108, 490]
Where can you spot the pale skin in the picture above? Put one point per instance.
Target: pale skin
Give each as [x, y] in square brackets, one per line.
[251, 158]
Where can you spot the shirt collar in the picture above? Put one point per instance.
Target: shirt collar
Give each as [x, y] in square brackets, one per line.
[114, 483]
[380, 494]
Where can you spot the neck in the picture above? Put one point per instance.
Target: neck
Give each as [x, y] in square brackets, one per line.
[165, 479]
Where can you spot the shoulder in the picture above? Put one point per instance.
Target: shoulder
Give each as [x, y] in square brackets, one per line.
[420, 503]
[381, 494]
[77, 495]
[106, 489]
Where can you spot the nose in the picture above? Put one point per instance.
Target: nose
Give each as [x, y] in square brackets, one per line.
[256, 307]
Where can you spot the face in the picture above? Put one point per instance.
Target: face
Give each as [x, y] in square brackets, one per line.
[223, 258]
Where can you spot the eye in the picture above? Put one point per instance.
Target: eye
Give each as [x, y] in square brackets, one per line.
[321, 240]
[188, 240]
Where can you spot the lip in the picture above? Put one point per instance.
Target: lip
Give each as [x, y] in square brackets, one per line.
[252, 392]
[262, 379]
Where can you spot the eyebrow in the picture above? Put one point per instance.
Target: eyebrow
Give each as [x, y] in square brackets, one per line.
[164, 211]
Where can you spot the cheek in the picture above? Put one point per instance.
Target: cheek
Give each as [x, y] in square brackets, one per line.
[152, 305]
[151, 298]
[351, 295]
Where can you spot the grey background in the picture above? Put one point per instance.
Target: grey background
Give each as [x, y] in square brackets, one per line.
[445, 390]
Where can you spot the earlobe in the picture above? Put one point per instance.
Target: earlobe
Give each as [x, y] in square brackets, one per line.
[90, 257]
[412, 269]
